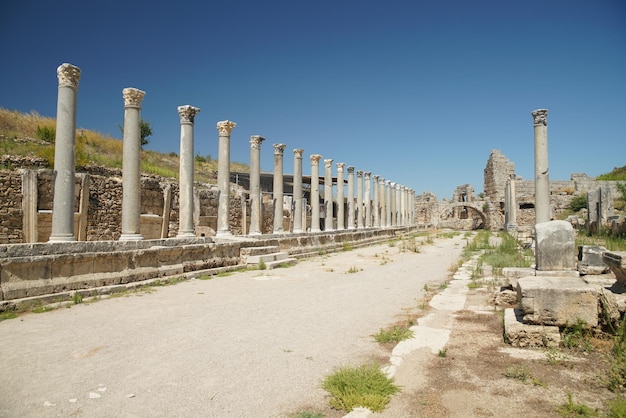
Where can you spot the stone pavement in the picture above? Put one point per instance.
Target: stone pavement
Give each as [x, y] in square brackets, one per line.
[253, 344]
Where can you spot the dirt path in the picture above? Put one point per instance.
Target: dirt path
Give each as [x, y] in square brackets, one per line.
[253, 344]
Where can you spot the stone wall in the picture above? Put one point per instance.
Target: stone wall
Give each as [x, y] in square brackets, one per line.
[10, 207]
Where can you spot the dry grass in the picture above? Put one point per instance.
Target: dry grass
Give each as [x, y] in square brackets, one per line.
[19, 136]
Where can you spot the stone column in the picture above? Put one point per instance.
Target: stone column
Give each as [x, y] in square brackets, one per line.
[315, 192]
[398, 206]
[185, 216]
[388, 203]
[297, 190]
[223, 177]
[402, 191]
[255, 184]
[278, 188]
[340, 199]
[367, 198]
[350, 197]
[359, 199]
[383, 203]
[512, 201]
[131, 174]
[65, 155]
[375, 205]
[394, 207]
[542, 181]
[328, 194]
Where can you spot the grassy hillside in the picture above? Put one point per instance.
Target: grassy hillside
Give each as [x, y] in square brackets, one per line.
[618, 174]
[30, 134]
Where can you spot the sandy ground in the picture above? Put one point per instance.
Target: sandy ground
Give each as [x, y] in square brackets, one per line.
[253, 344]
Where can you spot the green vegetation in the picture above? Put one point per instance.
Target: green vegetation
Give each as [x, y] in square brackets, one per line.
[353, 269]
[32, 135]
[617, 174]
[578, 202]
[508, 253]
[577, 336]
[572, 409]
[616, 408]
[394, 334]
[365, 386]
[308, 414]
[8, 315]
[77, 298]
[443, 353]
[262, 265]
[523, 374]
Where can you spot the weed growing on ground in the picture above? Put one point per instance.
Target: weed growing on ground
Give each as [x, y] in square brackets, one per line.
[474, 284]
[205, 277]
[443, 353]
[394, 334]
[262, 265]
[577, 336]
[365, 386]
[616, 408]
[521, 373]
[572, 409]
[308, 414]
[347, 246]
[8, 315]
[353, 269]
[77, 298]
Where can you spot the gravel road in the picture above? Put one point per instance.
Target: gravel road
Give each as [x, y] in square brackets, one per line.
[252, 344]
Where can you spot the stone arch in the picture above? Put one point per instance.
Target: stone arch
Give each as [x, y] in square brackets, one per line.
[470, 207]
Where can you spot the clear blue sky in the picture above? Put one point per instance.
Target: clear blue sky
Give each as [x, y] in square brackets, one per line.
[418, 92]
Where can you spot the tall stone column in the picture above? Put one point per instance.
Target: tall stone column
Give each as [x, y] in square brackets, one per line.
[542, 181]
[367, 180]
[328, 194]
[350, 197]
[297, 190]
[340, 199]
[131, 180]
[389, 203]
[223, 177]
[383, 203]
[359, 199]
[315, 192]
[65, 155]
[255, 184]
[375, 205]
[511, 202]
[398, 205]
[394, 207]
[185, 225]
[278, 188]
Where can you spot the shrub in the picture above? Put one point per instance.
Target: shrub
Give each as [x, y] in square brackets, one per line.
[578, 202]
[46, 133]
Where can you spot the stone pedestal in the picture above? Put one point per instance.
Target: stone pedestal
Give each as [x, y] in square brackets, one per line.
[340, 199]
[255, 184]
[131, 168]
[278, 188]
[297, 190]
[315, 193]
[65, 155]
[223, 177]
[328, 194]
[351, 208]
[187, 114]
[554, 247]
[542, 181]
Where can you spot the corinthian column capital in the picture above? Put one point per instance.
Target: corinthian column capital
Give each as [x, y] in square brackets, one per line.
[279, 149]
[367, 174]
[225, 126]
[328, 163]
[298, 152]
[187, 113]
[255, 141]
[315, 158]
[340, 166]
[359, 173]
[68, 75]
[350, 169]
[132, 97]
[540, 117]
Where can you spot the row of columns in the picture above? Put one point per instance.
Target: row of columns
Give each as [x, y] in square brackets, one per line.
[392, 203]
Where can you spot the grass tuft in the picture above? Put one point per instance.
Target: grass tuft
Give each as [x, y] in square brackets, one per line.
[364, 386]
[394, 334]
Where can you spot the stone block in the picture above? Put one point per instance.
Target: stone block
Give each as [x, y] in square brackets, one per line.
[523, 335]
[554, 248]
[558, 301]
[616, 261]
[590, 260]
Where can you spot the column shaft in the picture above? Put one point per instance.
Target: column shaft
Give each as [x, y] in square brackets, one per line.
[185, 225]
[278, 188]
[255, 184]
[350, 197]
[223, 177]
[131, 168]
[315, 193]
[359, 199]
[65, 155]
[542, 181]
[297, 190]
[340, 199]
[376, 204]
[328, 194]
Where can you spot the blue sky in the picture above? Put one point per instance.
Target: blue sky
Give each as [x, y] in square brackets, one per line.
[418, 92]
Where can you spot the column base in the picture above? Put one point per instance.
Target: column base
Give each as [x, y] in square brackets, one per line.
[223, 234]
[131, 237]
[254, 233]
[62, 238]
[298, 231]
[316, 230]
[186, 235]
